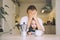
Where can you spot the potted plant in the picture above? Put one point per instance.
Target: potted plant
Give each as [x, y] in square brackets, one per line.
[2, 13]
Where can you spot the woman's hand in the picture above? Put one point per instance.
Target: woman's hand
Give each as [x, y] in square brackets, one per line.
[29, 19]
[38, 24]
[30, 16]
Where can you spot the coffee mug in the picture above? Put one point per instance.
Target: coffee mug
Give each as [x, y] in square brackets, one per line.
[38, 33]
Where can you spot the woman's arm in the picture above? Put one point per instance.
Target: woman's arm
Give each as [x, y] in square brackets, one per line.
[29, 21]
[38, 24]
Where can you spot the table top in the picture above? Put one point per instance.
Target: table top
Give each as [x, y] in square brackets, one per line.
[29, 37]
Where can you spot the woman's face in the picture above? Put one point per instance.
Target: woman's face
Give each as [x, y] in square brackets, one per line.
[32, 12]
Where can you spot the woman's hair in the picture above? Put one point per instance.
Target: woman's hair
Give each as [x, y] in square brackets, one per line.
[31, 7]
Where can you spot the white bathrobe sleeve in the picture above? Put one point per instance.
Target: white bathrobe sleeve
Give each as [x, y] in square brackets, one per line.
[41, 23]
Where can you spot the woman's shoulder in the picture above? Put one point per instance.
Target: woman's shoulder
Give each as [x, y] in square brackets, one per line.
[24, 17]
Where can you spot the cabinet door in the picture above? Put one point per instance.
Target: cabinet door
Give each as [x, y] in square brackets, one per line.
[50, 29]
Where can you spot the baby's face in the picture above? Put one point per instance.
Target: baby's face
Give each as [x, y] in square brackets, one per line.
[33, 24]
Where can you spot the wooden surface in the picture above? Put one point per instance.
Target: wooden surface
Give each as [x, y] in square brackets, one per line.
[50, 29]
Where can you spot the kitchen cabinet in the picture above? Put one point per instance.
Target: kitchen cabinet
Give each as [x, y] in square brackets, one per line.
[50, 29]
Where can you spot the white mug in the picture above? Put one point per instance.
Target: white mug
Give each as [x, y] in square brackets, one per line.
[38, 33]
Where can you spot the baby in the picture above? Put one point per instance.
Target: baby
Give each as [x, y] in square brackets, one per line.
[32, 28]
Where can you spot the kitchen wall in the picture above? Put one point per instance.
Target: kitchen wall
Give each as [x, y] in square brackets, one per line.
[58, 17]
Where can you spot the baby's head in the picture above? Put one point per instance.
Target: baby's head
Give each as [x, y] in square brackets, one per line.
[33, 24]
